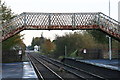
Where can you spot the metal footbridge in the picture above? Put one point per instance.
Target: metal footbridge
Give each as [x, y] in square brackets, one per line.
[61, 21]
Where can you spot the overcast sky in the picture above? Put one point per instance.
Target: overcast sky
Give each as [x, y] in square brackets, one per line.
[59, 6]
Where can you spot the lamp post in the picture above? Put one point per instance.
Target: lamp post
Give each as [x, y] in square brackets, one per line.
[110, 40]
[110, 47]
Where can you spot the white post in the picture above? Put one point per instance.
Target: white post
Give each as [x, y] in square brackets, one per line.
[110, 40]
[119, 12]
[119, 23]
[110, 48]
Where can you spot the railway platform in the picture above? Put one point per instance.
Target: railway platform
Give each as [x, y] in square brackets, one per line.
[112, 64]
[18, 70]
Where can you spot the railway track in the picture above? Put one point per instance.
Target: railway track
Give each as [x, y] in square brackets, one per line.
[67, 70]
[43, 71]
[45, 74]
[82, 73]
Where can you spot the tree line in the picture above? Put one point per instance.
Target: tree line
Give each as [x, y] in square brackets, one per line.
[91, 40]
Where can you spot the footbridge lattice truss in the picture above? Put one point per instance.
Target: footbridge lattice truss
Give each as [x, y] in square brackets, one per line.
[61, 21]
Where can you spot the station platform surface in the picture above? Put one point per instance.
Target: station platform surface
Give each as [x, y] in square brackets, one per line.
[112, 64]
[18, 70]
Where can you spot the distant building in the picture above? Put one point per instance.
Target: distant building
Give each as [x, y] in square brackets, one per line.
[36, 48]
